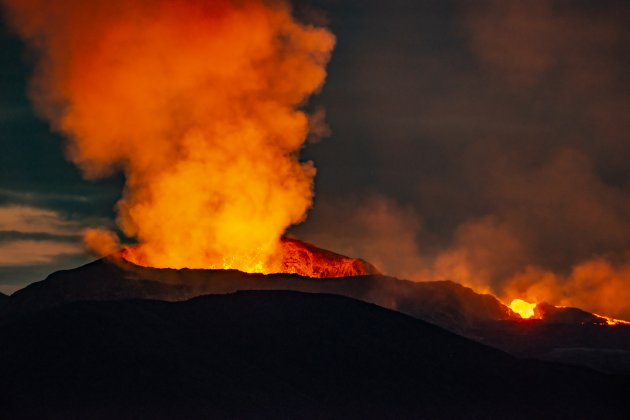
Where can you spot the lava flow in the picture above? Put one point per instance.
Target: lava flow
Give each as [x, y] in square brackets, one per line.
[612, 321]
[293, 257]
[559, 313]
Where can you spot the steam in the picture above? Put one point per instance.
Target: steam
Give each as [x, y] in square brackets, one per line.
[100, 241]
[198, 102]
[486, 255]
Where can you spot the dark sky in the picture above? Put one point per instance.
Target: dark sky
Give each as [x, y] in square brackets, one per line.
[484, 141]
[44, 202]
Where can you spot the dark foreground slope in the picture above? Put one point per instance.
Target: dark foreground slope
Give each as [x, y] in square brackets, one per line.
[569, 335]
[602, 347]
[274, 355]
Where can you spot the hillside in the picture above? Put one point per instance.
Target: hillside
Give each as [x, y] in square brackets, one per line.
[275, 354]
[443, 303]
[567, 335]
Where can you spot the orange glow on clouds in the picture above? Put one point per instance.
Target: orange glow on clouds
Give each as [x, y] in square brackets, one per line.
[596, 285]
[198, 102]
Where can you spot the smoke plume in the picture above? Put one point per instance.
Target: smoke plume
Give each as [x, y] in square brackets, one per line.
[100, 241]
[503, 127]
[198, 102]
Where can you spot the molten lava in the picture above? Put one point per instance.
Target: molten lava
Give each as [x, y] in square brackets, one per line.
[293, 257]
[612, 321]
[523, 308]
[308, 260]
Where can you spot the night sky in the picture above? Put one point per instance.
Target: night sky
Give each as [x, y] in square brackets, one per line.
[483, 141]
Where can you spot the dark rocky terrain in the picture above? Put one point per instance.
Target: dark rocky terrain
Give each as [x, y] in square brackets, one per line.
[566, 335]
[443, 303]
[275, 355]
[602, 347]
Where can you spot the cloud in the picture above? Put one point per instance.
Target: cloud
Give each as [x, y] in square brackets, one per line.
[27, 252]
[30, 235]
[35, 220]
[31, 198]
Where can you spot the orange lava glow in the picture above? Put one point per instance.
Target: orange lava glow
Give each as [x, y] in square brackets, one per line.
[597, 285]
[199, 103]
[523, 308]
[612, 321]
[293, 257]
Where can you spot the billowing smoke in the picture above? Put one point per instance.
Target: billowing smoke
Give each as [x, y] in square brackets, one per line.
[554, 225]
[198, 102]
[501, 126]
[100, 241]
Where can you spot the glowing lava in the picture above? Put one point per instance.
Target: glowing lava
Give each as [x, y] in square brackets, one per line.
[292, 257]
[612, 321]
[524, 309]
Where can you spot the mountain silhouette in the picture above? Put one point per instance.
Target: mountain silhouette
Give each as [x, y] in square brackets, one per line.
[565, 335]
[275, 354]
[443, 303]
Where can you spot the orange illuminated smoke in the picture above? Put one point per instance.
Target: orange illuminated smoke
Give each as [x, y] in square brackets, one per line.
[524, 309]
[199, 103]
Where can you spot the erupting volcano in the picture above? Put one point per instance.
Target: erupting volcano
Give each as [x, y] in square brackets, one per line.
[201, 104]
[460, 137]
[204, 107]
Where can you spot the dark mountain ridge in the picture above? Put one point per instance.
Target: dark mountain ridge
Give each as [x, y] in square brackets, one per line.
[275, 354]
[566, 334]
[444, 303]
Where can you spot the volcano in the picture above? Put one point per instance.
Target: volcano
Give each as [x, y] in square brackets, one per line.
[165, 343]
[563, 334]
[442, 302]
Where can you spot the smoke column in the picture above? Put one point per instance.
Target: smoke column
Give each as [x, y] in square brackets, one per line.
[198, 102]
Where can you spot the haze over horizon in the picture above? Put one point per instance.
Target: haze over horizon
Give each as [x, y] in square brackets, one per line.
[481, 142]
